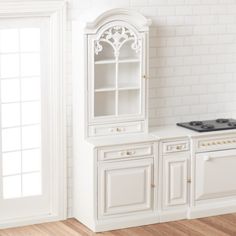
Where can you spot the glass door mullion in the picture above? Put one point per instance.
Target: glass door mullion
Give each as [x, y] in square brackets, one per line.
[117, 87]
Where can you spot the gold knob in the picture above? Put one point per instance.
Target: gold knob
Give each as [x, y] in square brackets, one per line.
[153, 185]
[189, 181]
[178, 147]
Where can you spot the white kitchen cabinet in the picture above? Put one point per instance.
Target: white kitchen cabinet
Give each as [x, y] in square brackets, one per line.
[125, 187]
[215, 175]
[112, 72]
[175, 180]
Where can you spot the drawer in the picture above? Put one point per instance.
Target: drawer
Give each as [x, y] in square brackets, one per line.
[116, 129]
[125, 151]
[175, 146]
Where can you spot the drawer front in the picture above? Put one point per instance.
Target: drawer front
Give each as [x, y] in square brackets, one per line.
[176, 146]
[215, 143]
[116, 129]
[126, 151]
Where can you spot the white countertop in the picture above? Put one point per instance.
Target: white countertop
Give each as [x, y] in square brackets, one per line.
[155, 134]
[174, 131]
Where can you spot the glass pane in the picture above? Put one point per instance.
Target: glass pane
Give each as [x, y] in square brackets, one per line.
[31, 137]
[104, 103]
[105, 76]
[31, 160]
[127, 52]
[129, 102]
[11, 187]
[30, 39]
[31, 113]
[133, 72]
[30, 64]
[10, 115]
[31, 184]
[11, 139]
[30, 89]
[9, 65]
[10, 90]
[107, 52]
[9, 39]
[11, 163]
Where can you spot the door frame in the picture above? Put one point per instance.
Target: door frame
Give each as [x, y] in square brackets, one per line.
[56, 13]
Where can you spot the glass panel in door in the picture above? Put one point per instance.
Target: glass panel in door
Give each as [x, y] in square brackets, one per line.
[129, 79]
[24, 160]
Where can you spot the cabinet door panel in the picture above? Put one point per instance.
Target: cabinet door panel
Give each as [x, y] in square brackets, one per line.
[175, 181]
[125, 187]
[215, 175]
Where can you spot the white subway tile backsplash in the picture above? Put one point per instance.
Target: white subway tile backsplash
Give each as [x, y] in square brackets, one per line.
[192, 65]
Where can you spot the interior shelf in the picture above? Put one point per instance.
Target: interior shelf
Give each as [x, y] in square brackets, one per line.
[99, 62]
[108, 89]
[129, 60]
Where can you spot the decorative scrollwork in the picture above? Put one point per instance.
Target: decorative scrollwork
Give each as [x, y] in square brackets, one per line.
[116, 36]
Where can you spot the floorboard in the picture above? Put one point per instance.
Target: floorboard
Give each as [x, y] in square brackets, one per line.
[224, 225]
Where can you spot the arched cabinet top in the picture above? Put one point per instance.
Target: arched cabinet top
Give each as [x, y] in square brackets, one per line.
[93, 22]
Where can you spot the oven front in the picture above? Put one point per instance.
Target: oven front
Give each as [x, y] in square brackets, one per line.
[215, 175]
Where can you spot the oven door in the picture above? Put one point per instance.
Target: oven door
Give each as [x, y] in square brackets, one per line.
[215, 175]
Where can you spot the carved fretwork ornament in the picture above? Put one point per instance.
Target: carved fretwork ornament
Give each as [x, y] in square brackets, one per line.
[116, 36]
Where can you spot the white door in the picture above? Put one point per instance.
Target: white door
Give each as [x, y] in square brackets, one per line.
[174, 180]
[24, 123]
[215, 175]
[125, 187]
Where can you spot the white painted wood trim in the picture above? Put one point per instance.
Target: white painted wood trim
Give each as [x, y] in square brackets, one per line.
[56, 12]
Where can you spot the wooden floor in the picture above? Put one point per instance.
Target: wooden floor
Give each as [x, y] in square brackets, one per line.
[212, 226]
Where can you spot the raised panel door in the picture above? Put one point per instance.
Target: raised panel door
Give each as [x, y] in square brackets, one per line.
[174, 181]
[125, 187]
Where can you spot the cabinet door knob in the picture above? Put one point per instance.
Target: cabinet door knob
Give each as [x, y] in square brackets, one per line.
[153, 185]
[145, 77]
[189, 181]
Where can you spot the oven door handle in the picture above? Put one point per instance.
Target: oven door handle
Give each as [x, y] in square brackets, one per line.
[207, 158]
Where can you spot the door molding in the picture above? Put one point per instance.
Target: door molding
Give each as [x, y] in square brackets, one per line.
[56, 13]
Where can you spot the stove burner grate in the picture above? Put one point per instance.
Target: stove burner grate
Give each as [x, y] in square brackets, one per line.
[196, 123]
[207, 126]
[232, 124]
[221, 121]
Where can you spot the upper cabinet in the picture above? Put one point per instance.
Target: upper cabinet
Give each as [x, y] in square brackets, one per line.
[116, 78]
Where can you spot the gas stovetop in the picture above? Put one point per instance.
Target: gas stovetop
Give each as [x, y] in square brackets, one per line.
[209, 125]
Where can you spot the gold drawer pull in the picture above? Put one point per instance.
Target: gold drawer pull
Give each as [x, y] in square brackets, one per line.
[129, 153]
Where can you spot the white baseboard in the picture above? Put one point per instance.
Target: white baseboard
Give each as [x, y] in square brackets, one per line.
[17, 222]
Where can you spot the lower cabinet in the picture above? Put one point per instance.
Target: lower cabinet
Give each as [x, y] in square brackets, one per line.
[125, 187]
[175, 180]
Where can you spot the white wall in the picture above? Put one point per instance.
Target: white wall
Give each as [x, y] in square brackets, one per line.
[192, 59]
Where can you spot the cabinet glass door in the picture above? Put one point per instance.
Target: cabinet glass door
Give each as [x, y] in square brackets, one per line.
[117, 73]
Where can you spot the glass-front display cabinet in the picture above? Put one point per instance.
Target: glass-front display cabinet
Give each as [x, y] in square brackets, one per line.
[116, 78]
